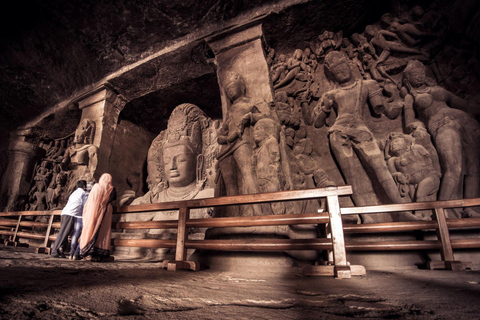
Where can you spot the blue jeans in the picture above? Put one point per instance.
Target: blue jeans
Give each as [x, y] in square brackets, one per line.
[77, 231]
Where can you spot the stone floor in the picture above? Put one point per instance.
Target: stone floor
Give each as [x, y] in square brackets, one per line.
[35, 286]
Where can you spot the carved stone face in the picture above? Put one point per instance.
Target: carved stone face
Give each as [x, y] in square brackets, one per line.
[180, 165]
[398, 146]
[341, 72]
[80, 133]
[260, 132]
[416, 77]
[234, 90]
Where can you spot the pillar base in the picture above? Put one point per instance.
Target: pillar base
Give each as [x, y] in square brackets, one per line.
[339, 272]
[175, 265]
[449, 265]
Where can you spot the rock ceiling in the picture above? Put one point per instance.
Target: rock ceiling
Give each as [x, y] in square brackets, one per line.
[52, 50]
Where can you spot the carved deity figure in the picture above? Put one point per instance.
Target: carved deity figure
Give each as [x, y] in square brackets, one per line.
[176, 169]
[39, 198]
[177, 154]
[350, 135]
[267, 155]
[455, 133]
[56, 192]
[412, 168]
[81, 157]
[294, 67]
[235, 136]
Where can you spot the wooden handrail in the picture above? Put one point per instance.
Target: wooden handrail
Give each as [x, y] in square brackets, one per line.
[414, 206]
[270, 220]
[293, 195]
[30, 213]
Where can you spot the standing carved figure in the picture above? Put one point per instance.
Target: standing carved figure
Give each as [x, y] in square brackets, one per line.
[81, 157]
[455, 133]
[236, 139]
[350, 136]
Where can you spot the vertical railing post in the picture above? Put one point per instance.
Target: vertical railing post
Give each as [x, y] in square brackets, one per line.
[448, 260]
[13, 241]
[45, 248]
[342, 268]
[180, 250]
[182, 234]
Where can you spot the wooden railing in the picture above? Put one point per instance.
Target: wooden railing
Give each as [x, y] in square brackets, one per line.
[12, 227]
[340, 269]
[334, 243]
[440, 224]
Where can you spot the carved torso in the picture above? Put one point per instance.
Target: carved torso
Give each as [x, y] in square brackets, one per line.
[431, 104]
[350, 103]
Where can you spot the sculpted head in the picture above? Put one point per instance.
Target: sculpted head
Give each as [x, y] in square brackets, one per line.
[399, 143]
[235, 86]
[415, 73]
[265, 128]
[182, 148]
[298, 54]
[336, 64]
[180, 163]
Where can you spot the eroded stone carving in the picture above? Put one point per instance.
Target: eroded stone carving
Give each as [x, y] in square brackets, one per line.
[455, 133]
[177, 171]
[412, 168]
[80, 159]
[358, 141]
[350, 136]
[236, 139]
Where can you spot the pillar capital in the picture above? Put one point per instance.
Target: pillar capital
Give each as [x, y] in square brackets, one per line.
[101, 94]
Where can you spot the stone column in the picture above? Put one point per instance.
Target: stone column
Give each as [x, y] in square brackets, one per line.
[22, 156]
[102, 106]
[242, 52]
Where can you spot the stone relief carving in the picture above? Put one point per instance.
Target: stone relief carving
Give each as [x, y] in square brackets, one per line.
[365, 79]
[456, 134]
[412, 168]
[80, 158]
[178, 170]
[236, 168]
[64, 162]
[348, 93]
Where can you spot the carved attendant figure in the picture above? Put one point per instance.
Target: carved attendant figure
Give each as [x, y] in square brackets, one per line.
[236, 138]
[455, 133]
[81, 157]
[412, 167]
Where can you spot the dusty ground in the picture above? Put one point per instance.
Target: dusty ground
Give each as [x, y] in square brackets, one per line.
[35, 286]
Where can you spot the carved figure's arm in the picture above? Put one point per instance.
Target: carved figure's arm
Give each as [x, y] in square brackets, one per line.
[375, 96]
[323, 109]
[409, 113]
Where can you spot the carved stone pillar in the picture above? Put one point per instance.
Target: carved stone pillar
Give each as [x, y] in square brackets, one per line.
[242, 52]
[102, 106]
[22, 157]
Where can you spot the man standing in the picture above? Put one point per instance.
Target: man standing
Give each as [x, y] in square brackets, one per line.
[73, 208]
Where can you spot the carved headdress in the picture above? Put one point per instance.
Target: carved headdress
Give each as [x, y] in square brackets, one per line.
[233, 77]
[185, 126]
[334, 58]
[412, 65]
